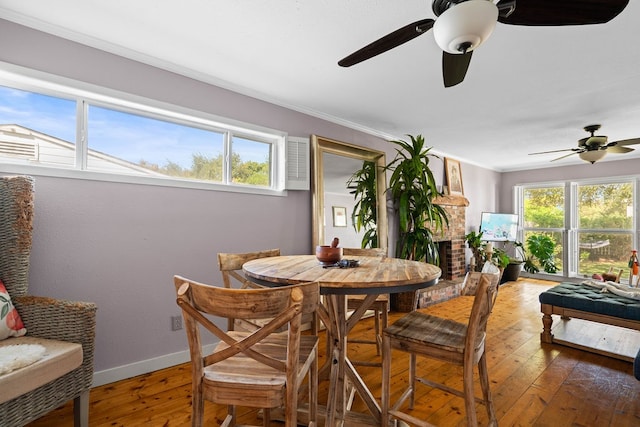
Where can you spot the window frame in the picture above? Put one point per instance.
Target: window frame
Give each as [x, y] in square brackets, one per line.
[563, 231]
[85, 94]
[571, 232]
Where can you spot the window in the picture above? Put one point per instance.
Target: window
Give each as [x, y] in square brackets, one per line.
[152, 146]
[604, 227]
[36, 128]
[543, 213]
[48, 125]
[250, 162]
[593, 223]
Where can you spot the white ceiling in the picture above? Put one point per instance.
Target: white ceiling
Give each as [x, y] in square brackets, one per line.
[528, 89]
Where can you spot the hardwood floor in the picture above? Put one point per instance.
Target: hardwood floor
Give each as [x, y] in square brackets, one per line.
[533, 384]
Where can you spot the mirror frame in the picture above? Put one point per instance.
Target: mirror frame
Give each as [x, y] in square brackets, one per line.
[321, 145]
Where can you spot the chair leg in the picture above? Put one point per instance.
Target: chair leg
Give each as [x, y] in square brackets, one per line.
[381, 324]
[469, 396]
[197, 407]
[266, 417]
[313, 392]
[377, 329]
[412, 379]
[386, 379]
[486, 391]
[81, 410]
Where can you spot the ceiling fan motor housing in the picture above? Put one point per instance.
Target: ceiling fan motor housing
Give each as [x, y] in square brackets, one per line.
[464, 26]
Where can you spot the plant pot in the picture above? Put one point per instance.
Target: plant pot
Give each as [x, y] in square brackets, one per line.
[403, 302]
[511, 272]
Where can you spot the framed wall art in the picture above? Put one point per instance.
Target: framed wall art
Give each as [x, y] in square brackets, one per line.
[339, 216]
[454, 176]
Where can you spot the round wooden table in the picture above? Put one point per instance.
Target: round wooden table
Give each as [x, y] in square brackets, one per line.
[374, 276]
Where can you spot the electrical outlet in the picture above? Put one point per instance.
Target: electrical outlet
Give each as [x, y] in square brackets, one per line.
[176, 323]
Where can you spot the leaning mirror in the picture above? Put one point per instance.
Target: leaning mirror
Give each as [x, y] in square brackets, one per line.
[334, 165]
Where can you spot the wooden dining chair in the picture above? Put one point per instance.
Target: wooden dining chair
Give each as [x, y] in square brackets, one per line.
[380, 306]
[422, 334]
[260, 369]
[230, 265]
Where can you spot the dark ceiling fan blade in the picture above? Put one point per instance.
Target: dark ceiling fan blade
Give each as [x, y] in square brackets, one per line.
[454, 67]
[619, 150]
[566, 155]
[506, 7]
[564, 12]
[631, 141]
[556, 151]
[388, 42]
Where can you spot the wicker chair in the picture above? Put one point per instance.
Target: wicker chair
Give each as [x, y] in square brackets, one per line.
[43, 317]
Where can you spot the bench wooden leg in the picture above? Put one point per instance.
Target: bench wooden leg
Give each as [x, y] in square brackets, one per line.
[547, 321]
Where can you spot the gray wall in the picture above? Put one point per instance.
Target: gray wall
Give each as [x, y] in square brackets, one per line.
[120, 244]
[562, 173]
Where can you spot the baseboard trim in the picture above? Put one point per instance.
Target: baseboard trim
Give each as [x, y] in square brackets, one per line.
[141, 367]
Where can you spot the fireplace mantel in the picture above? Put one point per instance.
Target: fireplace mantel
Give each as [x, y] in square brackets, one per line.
[451, 200]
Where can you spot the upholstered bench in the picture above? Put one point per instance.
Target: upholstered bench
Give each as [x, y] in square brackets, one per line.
[575, 300]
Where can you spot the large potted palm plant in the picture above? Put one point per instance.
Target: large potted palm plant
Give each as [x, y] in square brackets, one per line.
[413, 189]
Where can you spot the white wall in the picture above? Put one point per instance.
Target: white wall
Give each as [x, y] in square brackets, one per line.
[120, 244]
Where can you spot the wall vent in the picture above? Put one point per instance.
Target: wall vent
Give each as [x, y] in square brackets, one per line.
[22, 150]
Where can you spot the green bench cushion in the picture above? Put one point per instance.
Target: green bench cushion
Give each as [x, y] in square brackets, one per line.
[585, 298]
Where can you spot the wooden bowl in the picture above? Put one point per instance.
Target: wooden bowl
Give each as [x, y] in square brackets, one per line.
[328, 255]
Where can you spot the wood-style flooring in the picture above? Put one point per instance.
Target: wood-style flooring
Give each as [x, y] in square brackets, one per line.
[533, 384]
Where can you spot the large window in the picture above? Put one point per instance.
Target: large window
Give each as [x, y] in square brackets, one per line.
[544, 213]
[593, 223]
[604, 227]
[41, 125]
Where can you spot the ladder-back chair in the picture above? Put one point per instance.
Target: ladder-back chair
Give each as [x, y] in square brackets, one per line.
[260, 369]
[422, 334]
[380, 306]
[230, 265]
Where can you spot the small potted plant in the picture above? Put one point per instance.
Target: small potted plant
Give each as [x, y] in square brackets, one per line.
[474, 241]
[514, 264]
[499, 257]
[539, 254]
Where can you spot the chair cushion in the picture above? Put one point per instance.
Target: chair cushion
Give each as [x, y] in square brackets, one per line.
[60, 357]
[10, 322]
[18, 356]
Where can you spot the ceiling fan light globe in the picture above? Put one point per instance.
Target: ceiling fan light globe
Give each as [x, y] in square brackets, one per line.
[592, 156]
[470, 22]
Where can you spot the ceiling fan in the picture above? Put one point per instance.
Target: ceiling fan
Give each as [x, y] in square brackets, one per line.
[463, 25]
[595, 147]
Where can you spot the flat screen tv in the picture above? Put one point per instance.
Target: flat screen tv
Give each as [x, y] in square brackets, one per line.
[499, 227]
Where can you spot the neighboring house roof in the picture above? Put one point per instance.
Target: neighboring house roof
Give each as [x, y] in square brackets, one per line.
[18, 143]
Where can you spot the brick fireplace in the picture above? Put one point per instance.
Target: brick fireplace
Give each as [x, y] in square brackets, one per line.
[451, 240]
[452, 253]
